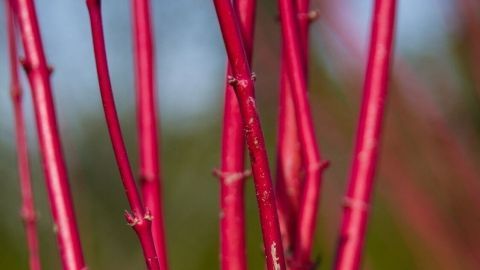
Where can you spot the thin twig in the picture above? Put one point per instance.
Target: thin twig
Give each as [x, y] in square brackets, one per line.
[139, 218]
[147, 127]
[28, 212]
[357, 200]
[60, 198]
[289, 155]
[232, 219]
[295, 42]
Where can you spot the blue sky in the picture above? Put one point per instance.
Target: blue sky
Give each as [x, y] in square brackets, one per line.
[190, 54]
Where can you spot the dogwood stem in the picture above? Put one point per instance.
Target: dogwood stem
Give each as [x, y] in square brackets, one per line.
[289, 159]
[139, 218]
[295, 42]
[147, 127]
[232, 173]
[289, 163]
[244, 89]
[355, 213]
[61, 203]
[28, 204]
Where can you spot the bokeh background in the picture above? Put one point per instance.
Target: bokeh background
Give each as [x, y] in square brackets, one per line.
[426, 210]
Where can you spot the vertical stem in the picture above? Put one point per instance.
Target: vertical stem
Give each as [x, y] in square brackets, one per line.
[232, 175]
[305, 17]
[357, 200]
[244, 89]
[295, 43]
[147, 127]
[289, 163]
[50, 146]
[289, 159]
[424, 107]
[139, 218]
[28, 204]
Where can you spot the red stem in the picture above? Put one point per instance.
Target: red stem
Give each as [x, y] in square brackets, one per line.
[305, 16]
[54, 167]
[294, 45]
[232, 175]
[244, 89]
[28, 204]
[427, 110]
[147, 124]
[357, 201]
[139, 218]
[289, 163]
[289, 159]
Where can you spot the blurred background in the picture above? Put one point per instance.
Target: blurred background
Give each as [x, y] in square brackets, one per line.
[426, 210]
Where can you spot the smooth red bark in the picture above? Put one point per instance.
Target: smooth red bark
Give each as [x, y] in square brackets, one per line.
[232, 173]
[289, 159]
[289, 163]
[295, 42]
[147, 127]
[244, 90]
[60, 198]
[28, 212]
[139, 218]
[357, 200]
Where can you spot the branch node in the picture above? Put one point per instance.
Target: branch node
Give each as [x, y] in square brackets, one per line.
[310, 16]
[355, 204]
[254, 76]
[132, 219]
[320, 166]
[146, 177]
[26, 65]
[28, 215]
[50, 69]
[232, 80]
[148, 215]
[231, 177]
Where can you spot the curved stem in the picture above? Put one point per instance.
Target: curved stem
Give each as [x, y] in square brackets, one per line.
[60, 198]
[28, 212]
[147, 127]
[357, 200]
[244, 89]
[139, 218]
